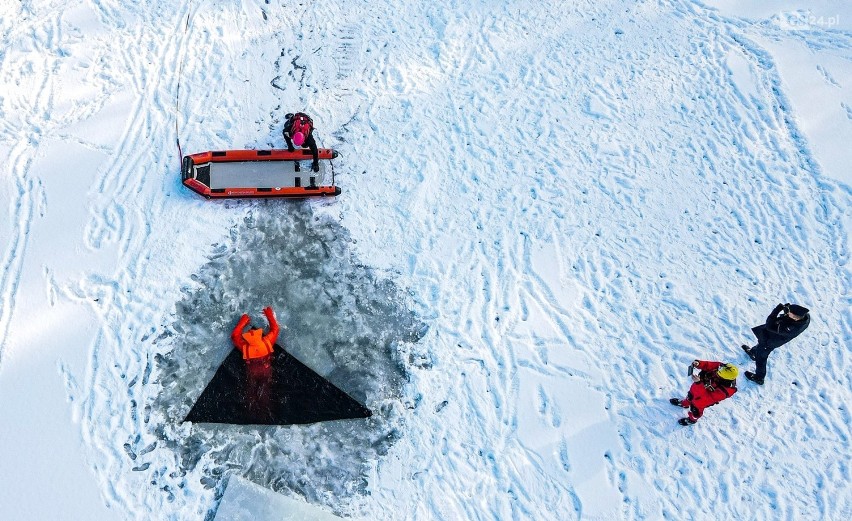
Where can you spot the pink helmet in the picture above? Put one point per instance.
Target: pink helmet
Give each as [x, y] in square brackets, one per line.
[298, 139]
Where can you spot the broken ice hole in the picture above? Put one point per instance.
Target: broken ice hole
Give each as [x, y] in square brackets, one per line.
[338, 317]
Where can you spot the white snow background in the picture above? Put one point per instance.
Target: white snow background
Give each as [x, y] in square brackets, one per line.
[576, 198]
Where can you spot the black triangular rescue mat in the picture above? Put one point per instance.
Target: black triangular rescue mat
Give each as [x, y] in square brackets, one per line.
[287, 393]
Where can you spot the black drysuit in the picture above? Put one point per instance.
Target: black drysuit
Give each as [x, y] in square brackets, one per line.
[777, 331]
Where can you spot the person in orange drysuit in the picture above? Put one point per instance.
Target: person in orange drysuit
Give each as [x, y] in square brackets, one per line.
[256, 349]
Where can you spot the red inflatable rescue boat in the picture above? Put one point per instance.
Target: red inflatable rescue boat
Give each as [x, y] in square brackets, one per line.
[259, 173]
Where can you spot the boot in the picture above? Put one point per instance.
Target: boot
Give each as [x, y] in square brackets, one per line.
[750, 376]
[678, 402]
[686, 421]
[747, 349]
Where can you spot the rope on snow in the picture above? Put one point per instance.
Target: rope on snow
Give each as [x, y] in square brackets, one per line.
[177, 97]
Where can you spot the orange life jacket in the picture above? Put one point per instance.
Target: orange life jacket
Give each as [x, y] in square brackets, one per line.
[256, 346]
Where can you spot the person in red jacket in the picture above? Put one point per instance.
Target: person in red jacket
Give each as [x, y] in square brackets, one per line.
[299, 131]
[714, 382]
[256, 349]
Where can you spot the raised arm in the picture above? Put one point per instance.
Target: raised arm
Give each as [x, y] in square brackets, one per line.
[707, 366]
[237, 333]
[272, 336]
[772, 319]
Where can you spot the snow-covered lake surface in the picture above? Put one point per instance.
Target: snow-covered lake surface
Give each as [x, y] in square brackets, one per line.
[547, 213]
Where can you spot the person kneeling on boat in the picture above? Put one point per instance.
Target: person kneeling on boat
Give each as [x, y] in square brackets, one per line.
[256, 349]
[299, 131]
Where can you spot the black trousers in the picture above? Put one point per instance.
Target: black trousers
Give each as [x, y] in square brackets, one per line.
[766, 343]
[761, 355]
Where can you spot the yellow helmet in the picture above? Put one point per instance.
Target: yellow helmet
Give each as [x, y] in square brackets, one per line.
[728, 372]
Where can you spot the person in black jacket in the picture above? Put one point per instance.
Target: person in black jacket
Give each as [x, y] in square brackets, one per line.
[785, 323]
[299, 130]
